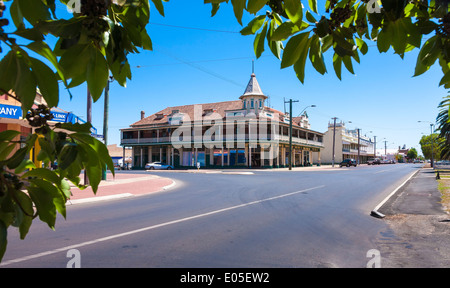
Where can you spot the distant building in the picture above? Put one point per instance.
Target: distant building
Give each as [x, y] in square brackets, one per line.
[348, 144]
[117, 155]
[239, 133]
[11, 119]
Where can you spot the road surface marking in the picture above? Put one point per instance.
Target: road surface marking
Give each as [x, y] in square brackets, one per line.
[75, 246]
[395, 191]
[99, 198]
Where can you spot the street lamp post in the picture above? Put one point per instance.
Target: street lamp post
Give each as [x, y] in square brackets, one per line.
[312, 106]
[334, 138]
[290, 132]
[432, 141]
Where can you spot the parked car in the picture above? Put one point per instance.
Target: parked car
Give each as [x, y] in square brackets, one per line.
[348, 162]
[373, 161]
[158, 166]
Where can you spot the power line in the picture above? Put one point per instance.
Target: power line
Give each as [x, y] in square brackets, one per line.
[198, 67]
[199, 61]
[194, 28]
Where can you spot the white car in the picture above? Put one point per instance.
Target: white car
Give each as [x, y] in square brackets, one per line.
[158, 166]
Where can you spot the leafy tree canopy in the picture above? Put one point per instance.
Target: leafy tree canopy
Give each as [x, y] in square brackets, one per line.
[96, 40]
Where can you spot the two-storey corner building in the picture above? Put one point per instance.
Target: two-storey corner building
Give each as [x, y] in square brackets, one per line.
[347, 144]
[239, 133]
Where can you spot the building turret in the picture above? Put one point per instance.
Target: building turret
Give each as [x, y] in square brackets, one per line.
[253, 97]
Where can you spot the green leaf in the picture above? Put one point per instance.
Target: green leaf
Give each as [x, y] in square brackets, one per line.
[385, 38]
[310, 17]
[8, 71]
[348, 63]
[258, 43]
[34, 10]
[159, 6]
[25, 86]
[67, 156]
[44, 50]
[16, 14]
[8, 135]
[299, 66]
[215, 8]
[362, 46]
[146, 41]
[427, 56]
[6, 151]
[238, 8]
[337, 64]
[3, 239]
[253, 25]
[294, 11]
[445, 80]
[399, 37]
[341, 42]
[316, 56]
[46, 81]
[101, 151]
[46, 197]
[286, 29]
[293, 49]
[27, 164]
[76, 127]
[32, 34]
[75, 60]
[26, 204]
[253, 6]
[313, 5]
[17, 158]
[97, 74]
[42, 173]
[92, 164]
[275, 46]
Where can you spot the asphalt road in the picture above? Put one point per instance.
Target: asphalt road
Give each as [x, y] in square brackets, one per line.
[268, 218]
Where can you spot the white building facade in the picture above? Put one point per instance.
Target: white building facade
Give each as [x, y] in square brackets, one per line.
[239, 133]
[347, 144]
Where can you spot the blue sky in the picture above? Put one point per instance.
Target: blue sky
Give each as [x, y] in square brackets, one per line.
[193, 66]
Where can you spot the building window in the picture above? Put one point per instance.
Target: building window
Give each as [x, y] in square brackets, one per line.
[245, 104]
[260, 104]
[251, 104]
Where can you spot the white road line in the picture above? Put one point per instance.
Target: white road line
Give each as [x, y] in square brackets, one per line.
[75, 246]
[395, 191]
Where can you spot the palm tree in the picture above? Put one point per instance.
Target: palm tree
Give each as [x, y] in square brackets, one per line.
[444, 127]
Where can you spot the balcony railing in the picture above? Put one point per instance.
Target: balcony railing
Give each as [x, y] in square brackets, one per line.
[268, 137]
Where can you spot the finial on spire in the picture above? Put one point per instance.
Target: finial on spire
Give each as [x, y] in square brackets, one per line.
[253, 66]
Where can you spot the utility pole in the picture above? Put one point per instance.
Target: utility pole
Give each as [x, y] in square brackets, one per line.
[385, 142]
[374, 146]
[89, 120]
[432, 145]
[105, 121]
[290, 132]
[334, 137]
[359, 146]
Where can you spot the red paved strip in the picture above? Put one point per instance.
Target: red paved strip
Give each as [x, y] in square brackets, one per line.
[135, 187]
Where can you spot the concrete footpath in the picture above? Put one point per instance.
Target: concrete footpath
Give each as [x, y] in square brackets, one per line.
[419, 196]
[121, 186]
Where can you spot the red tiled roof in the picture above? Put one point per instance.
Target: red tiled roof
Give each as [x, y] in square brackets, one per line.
[218, 107]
